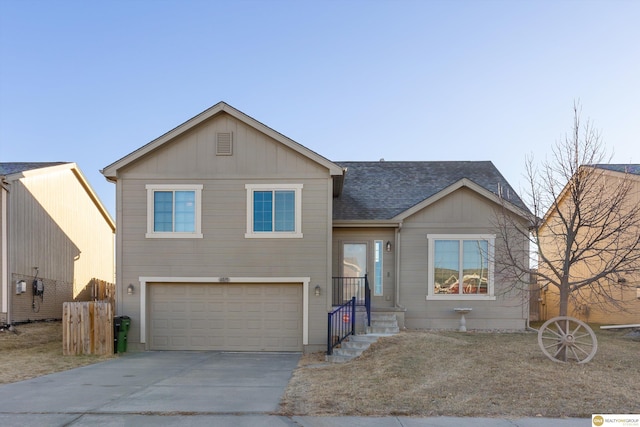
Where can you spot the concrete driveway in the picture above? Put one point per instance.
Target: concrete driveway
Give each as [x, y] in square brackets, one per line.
[158, 389]
[151, 383]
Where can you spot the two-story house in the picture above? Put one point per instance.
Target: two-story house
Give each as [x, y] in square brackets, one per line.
[230, 236]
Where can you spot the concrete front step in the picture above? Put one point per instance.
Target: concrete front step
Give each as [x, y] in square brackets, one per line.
[383, 324]
[383, 317]
[354, 345]
[363, 338]
[378, 330]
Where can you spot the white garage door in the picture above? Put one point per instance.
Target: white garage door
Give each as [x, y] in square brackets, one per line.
[231, 316]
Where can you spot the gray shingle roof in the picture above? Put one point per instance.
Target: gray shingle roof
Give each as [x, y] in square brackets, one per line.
[17, 167]
[383, 190]
[624, 168]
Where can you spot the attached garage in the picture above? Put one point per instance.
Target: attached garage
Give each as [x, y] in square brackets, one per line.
[225, 316]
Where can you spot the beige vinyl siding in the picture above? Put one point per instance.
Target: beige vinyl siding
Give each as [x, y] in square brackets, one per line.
[461, 212]
[591, 309]
[224, 251]
[56, 227]
[192, 156]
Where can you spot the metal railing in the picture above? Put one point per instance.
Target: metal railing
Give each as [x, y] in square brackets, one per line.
[341, 324]
[345, 288]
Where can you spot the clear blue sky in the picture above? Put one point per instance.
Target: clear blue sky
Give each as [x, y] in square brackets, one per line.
[91, 81]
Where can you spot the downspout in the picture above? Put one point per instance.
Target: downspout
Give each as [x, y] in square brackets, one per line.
[120, 284]
[528, 324]
[6, 305]
[527, 296]
[397, 238]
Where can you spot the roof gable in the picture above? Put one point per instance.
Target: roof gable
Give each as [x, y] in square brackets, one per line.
[628, 171]
[111, 171]
[395, 190]
[16, 170]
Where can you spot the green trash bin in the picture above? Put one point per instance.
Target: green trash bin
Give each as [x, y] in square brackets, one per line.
[117, 322]
[124, 323]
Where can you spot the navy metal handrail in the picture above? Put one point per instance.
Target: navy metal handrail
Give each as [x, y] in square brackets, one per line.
[341, 324]
[345, 288]
[367, 299]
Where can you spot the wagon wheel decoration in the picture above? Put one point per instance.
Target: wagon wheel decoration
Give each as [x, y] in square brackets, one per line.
[567, 339]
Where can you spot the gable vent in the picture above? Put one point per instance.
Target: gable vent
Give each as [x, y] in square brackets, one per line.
[224, 144]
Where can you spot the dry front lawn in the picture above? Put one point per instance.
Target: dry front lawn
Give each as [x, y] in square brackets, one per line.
[413, 373]
[35, 349]
[468, 374]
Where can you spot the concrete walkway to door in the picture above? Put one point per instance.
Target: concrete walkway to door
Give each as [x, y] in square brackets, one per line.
[150, 383]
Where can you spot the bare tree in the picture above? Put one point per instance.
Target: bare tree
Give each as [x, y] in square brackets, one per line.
[584, 223]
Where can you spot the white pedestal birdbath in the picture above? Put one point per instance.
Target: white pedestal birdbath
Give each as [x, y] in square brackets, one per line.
[463, 321]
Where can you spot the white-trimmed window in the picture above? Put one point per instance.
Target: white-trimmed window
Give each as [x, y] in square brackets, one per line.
[174, 211]
[460, 266]
[274, 210]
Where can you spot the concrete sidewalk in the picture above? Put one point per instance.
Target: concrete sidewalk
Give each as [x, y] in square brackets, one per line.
[191, 388]
[252, 420]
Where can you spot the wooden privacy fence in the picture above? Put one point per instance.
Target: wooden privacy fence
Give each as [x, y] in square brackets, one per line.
[103, 291]
[87, 328]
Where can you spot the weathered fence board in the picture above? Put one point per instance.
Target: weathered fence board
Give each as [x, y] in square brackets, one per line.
[103, 291]
[87, 328]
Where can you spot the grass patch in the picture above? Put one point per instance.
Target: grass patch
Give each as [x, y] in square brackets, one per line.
[417, 373]
[35, 349]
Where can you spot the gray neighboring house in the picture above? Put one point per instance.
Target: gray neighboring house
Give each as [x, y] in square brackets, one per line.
[232, 236]
[54, 231]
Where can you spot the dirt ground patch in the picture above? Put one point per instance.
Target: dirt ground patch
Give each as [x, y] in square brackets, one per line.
[417, 373]
[35, 349]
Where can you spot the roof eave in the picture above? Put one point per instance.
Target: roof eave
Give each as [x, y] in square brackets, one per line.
[372, 223]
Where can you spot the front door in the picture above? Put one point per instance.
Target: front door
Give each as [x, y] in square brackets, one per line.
[354, 265]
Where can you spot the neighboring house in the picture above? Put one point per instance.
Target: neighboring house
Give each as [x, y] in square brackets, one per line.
[56, 237]
[589, 307]
[230, 235]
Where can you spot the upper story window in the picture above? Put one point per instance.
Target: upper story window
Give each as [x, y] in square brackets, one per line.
[460, 266]
[174, 211]
[274, 210]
